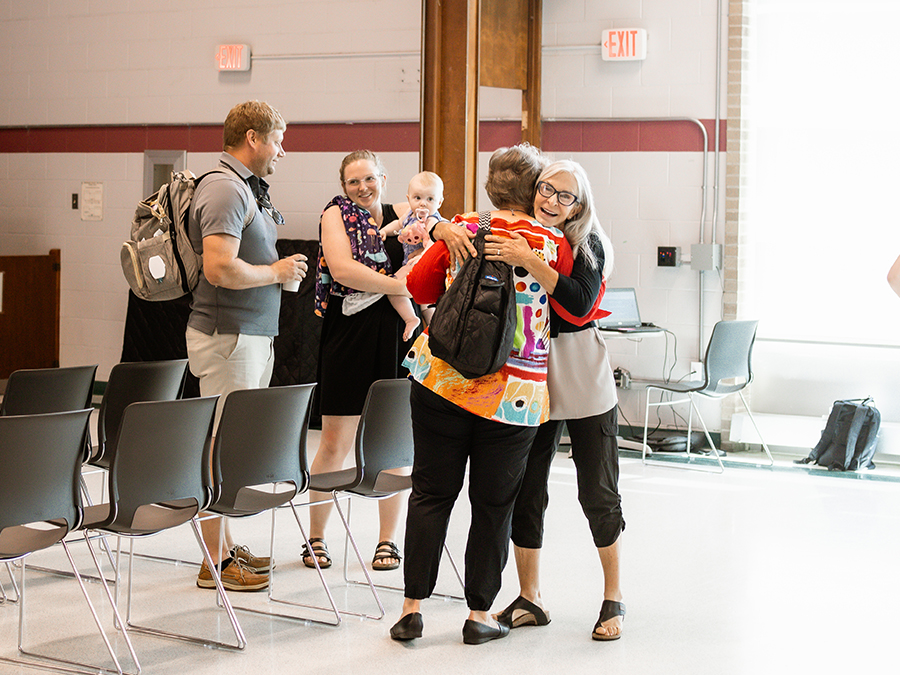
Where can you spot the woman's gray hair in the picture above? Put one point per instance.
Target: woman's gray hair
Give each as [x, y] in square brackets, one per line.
[512, 175]
[584, 221]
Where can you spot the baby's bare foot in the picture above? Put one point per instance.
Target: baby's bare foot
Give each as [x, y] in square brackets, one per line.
[411, 326]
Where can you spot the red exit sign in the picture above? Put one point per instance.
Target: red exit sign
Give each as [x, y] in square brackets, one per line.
[233, 57]
[624, 44]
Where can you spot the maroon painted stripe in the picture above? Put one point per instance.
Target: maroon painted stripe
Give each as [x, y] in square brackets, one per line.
[559, 136]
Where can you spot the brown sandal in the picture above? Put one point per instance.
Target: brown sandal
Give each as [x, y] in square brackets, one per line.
[386, 550]
[319, 550]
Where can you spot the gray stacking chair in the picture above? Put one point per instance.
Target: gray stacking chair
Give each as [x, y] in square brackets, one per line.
[260, 463]
[160, 478]
[48, 390]
[384, 442]
[41, 458]
[129, 383]
[726, 371]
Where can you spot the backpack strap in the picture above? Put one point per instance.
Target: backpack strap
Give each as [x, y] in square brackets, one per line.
[248, 217]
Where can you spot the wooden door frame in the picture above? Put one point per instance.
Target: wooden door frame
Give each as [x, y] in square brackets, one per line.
[454, 35]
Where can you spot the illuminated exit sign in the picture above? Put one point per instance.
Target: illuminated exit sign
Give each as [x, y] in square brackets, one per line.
[624, 44]
[233, 57]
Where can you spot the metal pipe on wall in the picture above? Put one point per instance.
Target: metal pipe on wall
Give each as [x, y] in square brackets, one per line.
[704, 183]
[716, 133]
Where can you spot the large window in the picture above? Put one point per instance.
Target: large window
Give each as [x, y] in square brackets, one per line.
[825, 168]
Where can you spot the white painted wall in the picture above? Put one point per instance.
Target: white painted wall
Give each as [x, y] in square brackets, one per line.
[99, 62]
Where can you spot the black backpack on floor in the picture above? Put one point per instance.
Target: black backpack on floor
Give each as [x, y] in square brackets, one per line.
[849, 438]
[474, 322]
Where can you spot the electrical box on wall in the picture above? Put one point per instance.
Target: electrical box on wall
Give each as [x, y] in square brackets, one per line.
[706, 257]
[668, 256]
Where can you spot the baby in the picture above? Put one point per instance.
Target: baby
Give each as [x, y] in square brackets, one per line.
[425, 196]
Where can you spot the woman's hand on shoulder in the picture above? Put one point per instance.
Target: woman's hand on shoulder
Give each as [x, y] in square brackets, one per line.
[458, 240]
[513, 250]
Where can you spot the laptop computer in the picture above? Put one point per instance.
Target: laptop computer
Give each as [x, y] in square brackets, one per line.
[624, 315]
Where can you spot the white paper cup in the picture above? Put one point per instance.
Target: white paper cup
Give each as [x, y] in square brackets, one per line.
[291, 286]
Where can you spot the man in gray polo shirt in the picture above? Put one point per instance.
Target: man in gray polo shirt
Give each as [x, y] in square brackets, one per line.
[235, 307]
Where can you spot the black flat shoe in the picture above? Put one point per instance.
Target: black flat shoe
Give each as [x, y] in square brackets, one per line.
[475, 633]
[408, 627]
[522, 612]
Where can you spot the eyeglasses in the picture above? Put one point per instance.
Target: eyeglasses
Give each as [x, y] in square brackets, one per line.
[564, 198]
[368, 180]
[266, 203]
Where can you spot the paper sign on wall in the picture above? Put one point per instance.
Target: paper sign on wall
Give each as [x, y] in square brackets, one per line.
[92, 201]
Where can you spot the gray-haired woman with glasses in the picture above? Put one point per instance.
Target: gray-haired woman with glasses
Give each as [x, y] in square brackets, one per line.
[582, 393]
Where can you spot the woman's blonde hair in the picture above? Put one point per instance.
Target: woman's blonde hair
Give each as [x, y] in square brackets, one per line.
[512, 175]
[357, 155]
[256, 115]
[584, 220]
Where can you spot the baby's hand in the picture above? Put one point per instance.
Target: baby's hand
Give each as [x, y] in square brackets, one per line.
[414, 233]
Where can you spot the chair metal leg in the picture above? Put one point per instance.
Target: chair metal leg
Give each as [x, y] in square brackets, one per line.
[66, 573]
[241, 640]
[103, 543]
[338, 612]
[708, 439]
[688, 465]
[67, 666]
[388, 587]
[271, 595]
[6, 599]
[690, 425]
[362, 563]
[646, 447]
[758, 432]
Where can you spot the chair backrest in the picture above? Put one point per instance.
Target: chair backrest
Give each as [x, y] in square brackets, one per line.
[48, 390]
[261, 439]
[40, 461]
[130, 383]
[728, 357]
[162, 455]
[384, 437]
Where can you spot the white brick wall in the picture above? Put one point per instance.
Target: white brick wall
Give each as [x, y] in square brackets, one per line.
[99, 63]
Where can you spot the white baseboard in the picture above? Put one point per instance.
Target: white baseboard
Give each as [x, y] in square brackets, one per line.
[796, 433]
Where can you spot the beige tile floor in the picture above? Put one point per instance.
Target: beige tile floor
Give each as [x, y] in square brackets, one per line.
[751, 571]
